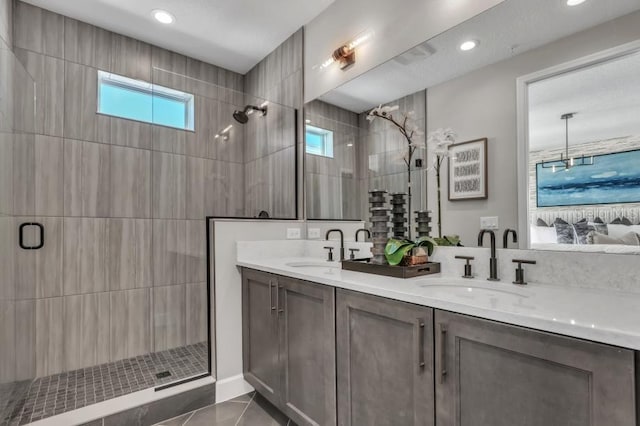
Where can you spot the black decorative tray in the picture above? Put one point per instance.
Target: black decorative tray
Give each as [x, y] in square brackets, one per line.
[364, 265]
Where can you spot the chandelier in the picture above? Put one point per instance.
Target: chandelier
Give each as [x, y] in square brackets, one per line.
[566, 162]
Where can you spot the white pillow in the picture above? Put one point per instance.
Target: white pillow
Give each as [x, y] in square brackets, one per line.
[543, 235]
[619, 231]
[630, 239]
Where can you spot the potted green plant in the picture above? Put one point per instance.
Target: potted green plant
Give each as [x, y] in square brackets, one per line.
[448, 240]
[407, 252]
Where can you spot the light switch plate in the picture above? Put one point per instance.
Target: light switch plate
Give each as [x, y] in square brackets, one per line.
[293, 233]
[490, 222]
[313, 233]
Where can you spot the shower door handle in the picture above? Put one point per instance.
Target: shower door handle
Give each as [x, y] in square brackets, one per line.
[21, 236]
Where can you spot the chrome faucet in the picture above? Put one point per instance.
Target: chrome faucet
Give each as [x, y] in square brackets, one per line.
[493, 262]
[366, 231]
[505, 237]
[341, 241]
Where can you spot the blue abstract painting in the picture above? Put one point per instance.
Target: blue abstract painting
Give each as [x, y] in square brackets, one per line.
[613, 178]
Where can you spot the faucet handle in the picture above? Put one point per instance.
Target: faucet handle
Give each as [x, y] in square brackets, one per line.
[520, 270]
[467, 267]
[352, 253]
[330, 254]
[524, 261]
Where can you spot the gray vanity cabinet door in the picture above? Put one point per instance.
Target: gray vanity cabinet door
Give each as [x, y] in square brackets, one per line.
[261, 363]
[307, 351]
[384, 361]
[492, 374]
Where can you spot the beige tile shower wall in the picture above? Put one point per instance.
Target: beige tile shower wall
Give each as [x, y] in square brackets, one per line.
[122, 272]
[6, 24]
[382, 149]
[270, 154]
[332, 184]
[7, 222]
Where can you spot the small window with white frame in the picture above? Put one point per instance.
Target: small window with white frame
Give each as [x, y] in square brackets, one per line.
[319, 141]
[124, 97]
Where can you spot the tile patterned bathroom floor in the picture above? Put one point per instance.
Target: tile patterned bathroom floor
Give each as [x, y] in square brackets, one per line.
[247, 410]
[25, 402]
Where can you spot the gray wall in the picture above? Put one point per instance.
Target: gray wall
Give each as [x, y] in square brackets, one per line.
[483, 104]
[270, 148]
[123, 202]
[333, 184]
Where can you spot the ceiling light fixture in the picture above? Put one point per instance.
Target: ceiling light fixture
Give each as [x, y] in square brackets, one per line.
[469, 45]
[345, 55]
[575, 2]
[163, 16]
[566, 162]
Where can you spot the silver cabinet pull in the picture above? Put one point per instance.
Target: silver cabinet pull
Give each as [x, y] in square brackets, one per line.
[273, 308]
[443, 353]
[420, 329]
[280, 308]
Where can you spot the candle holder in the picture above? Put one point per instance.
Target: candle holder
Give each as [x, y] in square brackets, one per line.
[423, 219]
[379, 225]
[399, 215]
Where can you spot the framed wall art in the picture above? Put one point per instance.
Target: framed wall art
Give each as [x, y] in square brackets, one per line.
[612, 178]
[468, 170]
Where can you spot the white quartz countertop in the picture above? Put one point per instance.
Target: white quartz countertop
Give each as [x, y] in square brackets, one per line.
[605, 316]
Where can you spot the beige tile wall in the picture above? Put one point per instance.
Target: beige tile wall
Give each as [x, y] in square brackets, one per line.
[381, 151]
[270, 142]
[332, 184]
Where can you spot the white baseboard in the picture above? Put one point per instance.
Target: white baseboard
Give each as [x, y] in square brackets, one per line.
[119, 404]
[231, 387]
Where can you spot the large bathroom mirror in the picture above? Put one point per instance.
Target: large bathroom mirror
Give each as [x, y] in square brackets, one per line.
[503, 80]
[580, 124]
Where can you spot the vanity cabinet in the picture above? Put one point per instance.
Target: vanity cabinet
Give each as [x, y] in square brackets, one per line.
[492, 374]
[384, 360]
[289, 345]
[328, 356]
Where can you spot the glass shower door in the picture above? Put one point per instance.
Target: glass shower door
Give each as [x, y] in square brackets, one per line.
[20, 237]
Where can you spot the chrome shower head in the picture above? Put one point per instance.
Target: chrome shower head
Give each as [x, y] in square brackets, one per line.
[242, 117]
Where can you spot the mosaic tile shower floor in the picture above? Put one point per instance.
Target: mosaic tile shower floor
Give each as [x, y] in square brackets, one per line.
[28, 401]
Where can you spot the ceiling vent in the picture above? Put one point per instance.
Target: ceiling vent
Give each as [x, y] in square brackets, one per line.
[416, 54]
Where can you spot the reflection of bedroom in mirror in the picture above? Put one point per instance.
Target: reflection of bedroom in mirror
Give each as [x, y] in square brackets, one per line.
[584, 155]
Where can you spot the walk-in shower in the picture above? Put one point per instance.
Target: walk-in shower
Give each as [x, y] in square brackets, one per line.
[108, 171]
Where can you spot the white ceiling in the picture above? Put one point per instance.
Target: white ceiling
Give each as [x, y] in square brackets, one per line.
[508, 29]
[234, 34]
[605, 98]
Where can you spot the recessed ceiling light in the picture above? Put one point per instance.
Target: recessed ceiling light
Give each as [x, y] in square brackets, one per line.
[163, 16]
[574, 2]
[469, 45]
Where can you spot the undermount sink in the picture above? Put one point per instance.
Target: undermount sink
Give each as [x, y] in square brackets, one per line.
[313, 264]
[472, 289]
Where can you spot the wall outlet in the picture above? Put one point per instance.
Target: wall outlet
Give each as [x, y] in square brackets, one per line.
[293, 233]
[490, 222]
[313, 233]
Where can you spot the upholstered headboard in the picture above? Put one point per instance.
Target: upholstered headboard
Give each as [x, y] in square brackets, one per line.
[607, 213]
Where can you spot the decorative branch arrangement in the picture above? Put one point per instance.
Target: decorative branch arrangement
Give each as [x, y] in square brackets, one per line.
[439, 141]
[408, 128]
